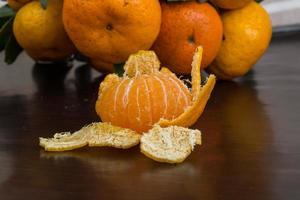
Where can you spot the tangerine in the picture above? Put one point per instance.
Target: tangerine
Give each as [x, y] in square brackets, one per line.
[112, 30]
[247, 34]
[146, 95]
[101, 66]
[185, 26]
[41, 32]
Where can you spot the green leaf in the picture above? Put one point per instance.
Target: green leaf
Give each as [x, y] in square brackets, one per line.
[259, 1]
[6, 11]
[44, 3]
[12, 50]
[119, 69]
[5, 32]
[3, 20]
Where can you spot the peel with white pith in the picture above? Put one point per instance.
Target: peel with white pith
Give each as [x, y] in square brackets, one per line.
[200, 96]
[95, 135]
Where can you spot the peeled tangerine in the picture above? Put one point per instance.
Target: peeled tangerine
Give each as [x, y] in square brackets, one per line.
[144, 98]
[146, 95]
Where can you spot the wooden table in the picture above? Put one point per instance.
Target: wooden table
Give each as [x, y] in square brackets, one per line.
[251, 137]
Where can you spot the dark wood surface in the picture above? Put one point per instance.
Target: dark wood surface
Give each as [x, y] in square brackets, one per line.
[251, 137]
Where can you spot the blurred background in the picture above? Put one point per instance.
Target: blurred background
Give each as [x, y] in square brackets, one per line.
[283, 12]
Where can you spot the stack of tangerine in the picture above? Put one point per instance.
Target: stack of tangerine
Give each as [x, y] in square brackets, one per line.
[234, 34]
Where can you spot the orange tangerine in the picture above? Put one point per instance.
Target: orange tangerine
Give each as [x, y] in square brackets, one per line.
[146, 95]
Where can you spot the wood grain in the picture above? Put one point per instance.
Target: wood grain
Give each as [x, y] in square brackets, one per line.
[250, 150]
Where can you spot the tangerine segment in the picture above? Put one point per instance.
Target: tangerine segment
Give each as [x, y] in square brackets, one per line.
[158, 97]
[200, 96]
[140, 102]
[118, 103]
[142, 62]
[95, 134]
[181, 94]
[109, 81]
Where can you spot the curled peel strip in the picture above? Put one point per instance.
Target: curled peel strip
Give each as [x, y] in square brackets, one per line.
[200, 95]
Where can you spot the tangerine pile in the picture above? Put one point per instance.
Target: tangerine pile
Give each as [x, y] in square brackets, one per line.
[233, 33]
[228, 36]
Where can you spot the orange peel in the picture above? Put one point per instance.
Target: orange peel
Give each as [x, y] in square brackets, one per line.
[171, 144]
[93, 135]
[146, 63]
[200, 95]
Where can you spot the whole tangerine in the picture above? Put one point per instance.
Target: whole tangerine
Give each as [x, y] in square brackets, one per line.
[185, 26]
[112, 30]
[247, 35]
[41, 32]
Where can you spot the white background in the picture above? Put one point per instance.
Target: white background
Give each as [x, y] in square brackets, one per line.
[283, 12]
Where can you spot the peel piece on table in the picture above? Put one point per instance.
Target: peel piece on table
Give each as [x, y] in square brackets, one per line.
[95, 134]
[172, 144]
[200, 96]
[105, 134]
[64, 141]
